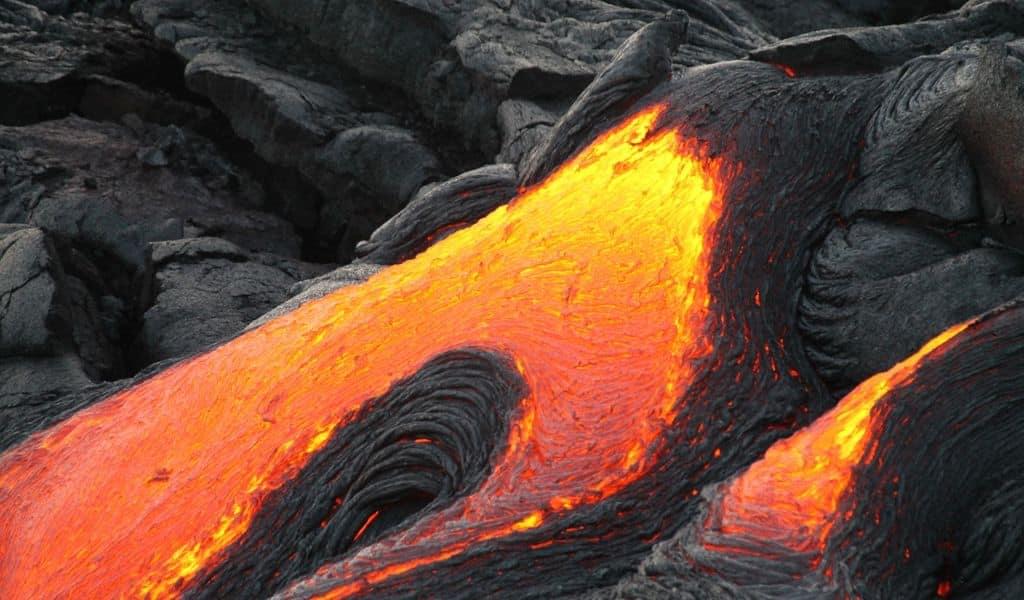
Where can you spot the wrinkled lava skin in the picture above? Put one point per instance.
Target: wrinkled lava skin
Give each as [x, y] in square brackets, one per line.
[778, 518]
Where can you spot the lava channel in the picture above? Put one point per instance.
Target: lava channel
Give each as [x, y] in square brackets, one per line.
[595, 282]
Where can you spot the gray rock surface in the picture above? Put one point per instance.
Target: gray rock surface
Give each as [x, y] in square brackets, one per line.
[39, 325]
[384, 159]
[109, 99]
[913, 157]
[206, 290]
[30, 387]
[318, 287]
[52, 303]
[34, 314]
[870, 48]
[96, 8]
[875, 277]
[349, 144]
[118, 187]
[524, 124]
[44, 59]
[459, 62]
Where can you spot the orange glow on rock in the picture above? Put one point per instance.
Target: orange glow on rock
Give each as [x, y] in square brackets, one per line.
[594, 281]
[791, 496]
[366, 525]
[530, 521]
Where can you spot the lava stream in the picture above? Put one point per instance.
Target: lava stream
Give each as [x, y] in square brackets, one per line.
[594, 281]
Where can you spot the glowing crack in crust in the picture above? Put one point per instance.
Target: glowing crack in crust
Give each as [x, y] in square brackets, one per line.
[594, 281]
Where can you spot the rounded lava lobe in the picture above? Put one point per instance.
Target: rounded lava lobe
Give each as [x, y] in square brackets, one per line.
[878, 289]
[430, 439]
[940, 502]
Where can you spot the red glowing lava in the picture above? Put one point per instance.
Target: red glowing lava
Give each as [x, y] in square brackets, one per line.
[595, 281]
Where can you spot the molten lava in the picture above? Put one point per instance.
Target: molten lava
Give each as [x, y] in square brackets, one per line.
[791, 496]
[595, 282]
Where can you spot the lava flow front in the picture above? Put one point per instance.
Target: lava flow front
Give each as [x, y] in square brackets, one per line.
[594, 282]
[792, 497]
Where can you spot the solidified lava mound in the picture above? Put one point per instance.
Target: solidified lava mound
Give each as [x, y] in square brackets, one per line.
[595, 299]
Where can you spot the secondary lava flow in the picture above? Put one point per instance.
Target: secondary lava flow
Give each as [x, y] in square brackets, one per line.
[594, 281]
[791, 497]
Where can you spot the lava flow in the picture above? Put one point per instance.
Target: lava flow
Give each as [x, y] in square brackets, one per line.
[791, 498]
[594, 282]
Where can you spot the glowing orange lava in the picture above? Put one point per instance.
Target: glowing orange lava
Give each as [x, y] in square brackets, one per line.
[595, 281]
[791, 496]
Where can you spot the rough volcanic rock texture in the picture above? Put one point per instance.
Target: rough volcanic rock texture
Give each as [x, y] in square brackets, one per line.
[460, 62]
[873, 277]
[45, 59]
[31, 302]
[350, 146]
[206, 290]
[37, 349]
[119, 186]
[54, 305]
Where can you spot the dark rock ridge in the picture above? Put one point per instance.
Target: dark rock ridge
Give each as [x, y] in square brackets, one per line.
[437, 211]
[460, 62]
